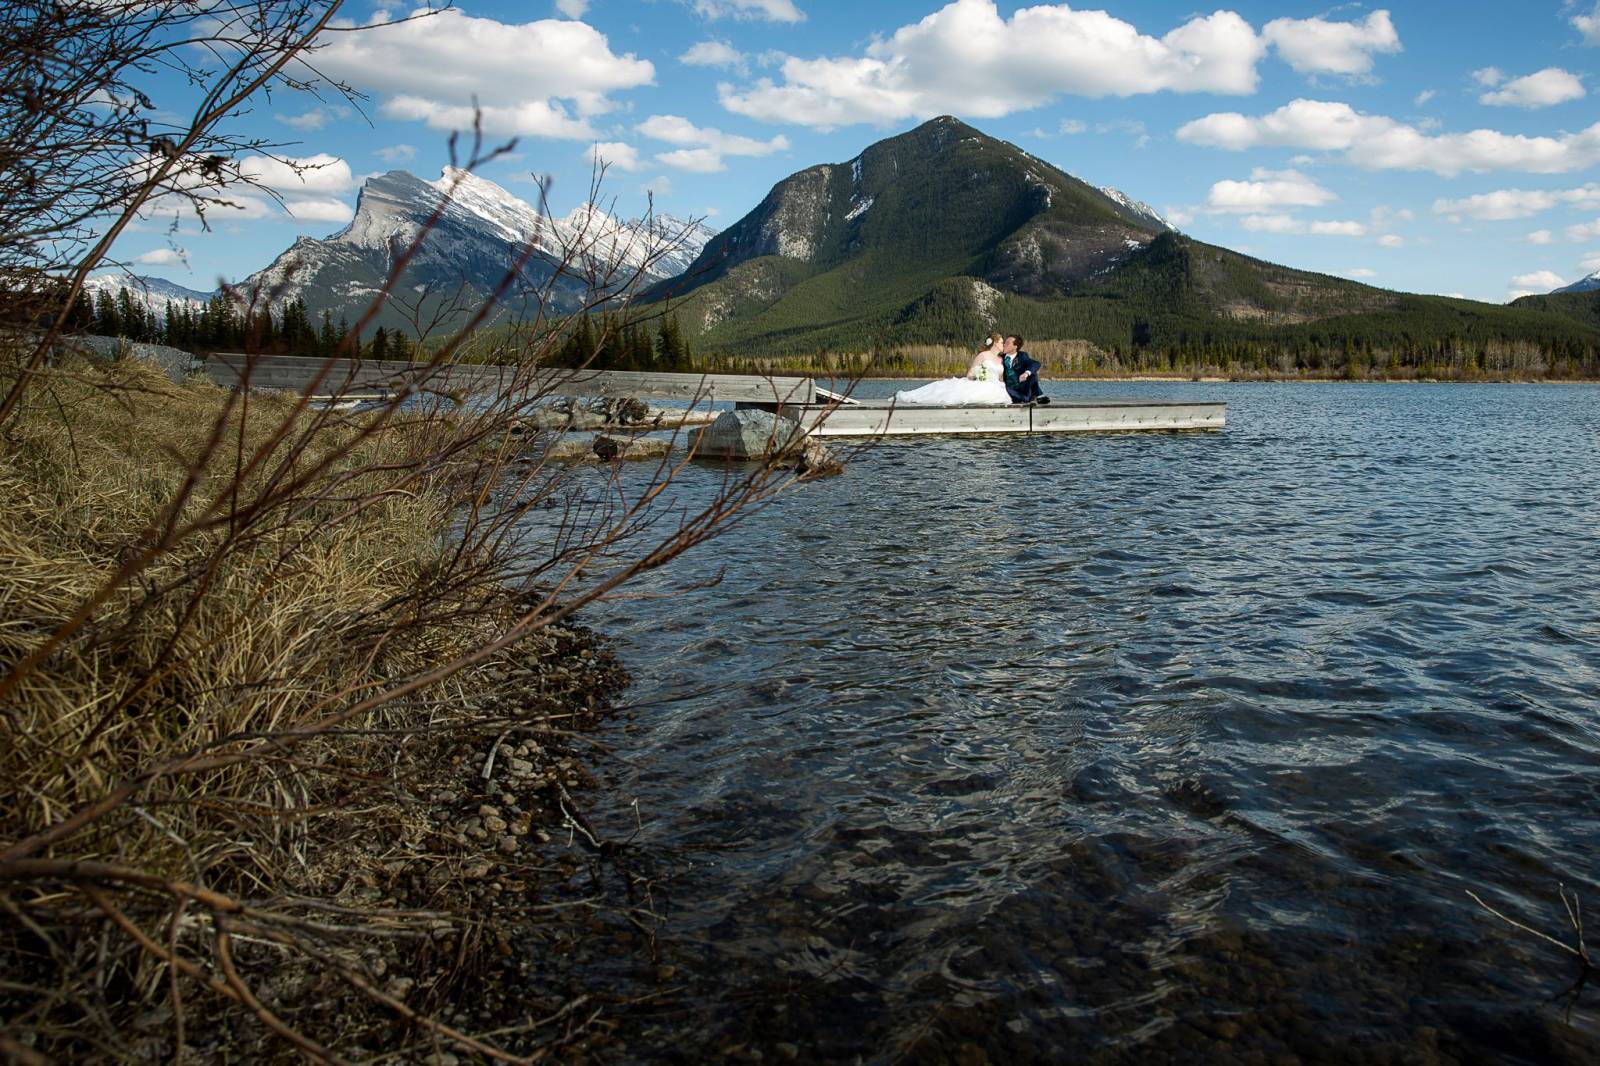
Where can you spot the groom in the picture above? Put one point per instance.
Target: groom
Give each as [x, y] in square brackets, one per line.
[1021, 373]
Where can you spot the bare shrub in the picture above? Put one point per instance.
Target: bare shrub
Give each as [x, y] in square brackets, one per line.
[249, 639]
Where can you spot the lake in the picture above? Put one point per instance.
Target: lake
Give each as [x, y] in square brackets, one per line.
[1131, 748]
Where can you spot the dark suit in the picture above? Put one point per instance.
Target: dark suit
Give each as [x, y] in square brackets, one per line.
[1015, 366]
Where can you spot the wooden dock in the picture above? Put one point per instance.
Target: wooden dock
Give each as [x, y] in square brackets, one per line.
[874, 418]
[822, 413]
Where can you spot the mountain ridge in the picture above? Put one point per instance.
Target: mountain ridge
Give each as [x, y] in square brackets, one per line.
[937, 234]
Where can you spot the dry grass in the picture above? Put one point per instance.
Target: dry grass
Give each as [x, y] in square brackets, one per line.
[289, 619]
[243, 642]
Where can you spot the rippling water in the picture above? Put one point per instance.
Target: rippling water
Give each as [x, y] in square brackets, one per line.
[1136, 747]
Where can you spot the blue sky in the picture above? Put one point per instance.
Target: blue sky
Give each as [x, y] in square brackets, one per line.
[1424, 147]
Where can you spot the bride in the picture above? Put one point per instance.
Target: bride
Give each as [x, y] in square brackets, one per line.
[983, 384]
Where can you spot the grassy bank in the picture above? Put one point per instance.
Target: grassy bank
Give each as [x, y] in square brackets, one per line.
[281, 745]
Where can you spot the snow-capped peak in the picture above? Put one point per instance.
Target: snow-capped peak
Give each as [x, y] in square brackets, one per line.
[1588, 284]
[1138, 207]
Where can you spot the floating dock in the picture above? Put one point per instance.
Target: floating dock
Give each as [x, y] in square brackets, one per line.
[880, 418]
[820, 412]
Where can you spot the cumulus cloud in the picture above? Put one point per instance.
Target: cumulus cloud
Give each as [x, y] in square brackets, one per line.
[966, 58]
[544, 78]
[1360, 272]
[1589, 26]
[1504, 204]
[715, 54]
[1545, 88]
[1584, 231]
[1266, 190]
[1282, 223]
[1538, 281]
[314, 119]
[319, 210]
[289, 176]
[1392, 240]
[1337, 229]
[1424, 96]
[161, 257]
[1377, 142]
[1590, 262]
[1317, 46]
[397, 153]
[573, 9]
[766, 10]
[614, 155]
[1540, 236]
[701, 148]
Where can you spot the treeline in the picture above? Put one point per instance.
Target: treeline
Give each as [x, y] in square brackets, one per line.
[610, 344]
[222, 324]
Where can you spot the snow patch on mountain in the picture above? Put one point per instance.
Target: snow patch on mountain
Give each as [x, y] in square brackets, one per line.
[1138, 207]
[152, 294]
[1588, 284]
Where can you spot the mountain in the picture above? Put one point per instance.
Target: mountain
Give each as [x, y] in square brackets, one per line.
[1138, 207]
[152, 294]
[1588, 284]
[942, 233]
[481, 233]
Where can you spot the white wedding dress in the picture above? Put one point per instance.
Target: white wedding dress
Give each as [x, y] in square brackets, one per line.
[989, 387]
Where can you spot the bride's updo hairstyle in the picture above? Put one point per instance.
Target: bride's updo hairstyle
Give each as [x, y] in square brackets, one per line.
[994, 335]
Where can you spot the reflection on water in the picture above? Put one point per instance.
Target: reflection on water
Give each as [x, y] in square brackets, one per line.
[1136, 747]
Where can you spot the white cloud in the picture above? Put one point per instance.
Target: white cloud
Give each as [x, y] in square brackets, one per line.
[397, 153]
[1316, 46]
[1360, 272]
[1424, 96]
[1072, 127]
[1281, 223]
[319, 210]
[1540, 236]
[314, 119]
[1589, 26]
[1584, 231]
[701, 148]
[966, 59]
[767, 10]
[1590, 262]
[573, 9]
[1178, 216]
[715, 54]
[1547, 87]
[615, 155]
[1488, 76]
[1266, 190]
[1503, 204]
[161, 257]
[1392, 240]
[1538, 281]
[694, 160]
[1380, 143]
[1272, 224]
[289, 176]
[543, 78]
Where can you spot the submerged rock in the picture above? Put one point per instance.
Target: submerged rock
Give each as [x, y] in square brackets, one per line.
[605, 449]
